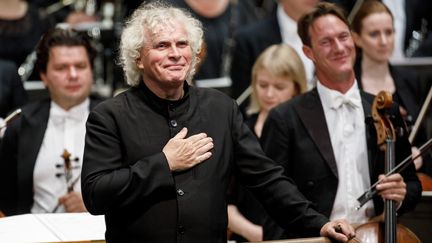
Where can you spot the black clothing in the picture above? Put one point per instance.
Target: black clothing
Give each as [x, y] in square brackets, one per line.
[242, 198]
[250, 43]
[12, 93]
[126, 175]
[19, 37]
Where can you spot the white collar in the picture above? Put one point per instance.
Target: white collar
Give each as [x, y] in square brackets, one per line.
[78, 112]
[288, 26]
[332, 99]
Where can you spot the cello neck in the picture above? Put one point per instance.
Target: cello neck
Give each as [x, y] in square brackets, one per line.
[390, 205]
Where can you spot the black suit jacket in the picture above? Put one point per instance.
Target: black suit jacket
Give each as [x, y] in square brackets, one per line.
[18, 152]
[296, 135]
[250, 42]
[12, 93]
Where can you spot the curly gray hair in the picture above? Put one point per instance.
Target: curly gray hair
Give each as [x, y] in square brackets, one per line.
[147, 19]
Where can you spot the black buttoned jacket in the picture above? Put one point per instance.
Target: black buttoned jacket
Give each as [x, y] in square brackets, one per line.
[126, 175]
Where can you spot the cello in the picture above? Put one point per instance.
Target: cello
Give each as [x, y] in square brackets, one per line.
[386, 137]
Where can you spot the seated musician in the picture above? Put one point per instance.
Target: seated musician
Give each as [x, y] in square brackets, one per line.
[33, 176]
[322, 139]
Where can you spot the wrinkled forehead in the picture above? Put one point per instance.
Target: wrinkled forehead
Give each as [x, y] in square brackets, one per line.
[167, 28]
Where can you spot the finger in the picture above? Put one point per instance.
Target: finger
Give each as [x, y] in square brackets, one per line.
[203, 142]
[346, 229]
[395, 177]
[331, 229]
[391, 185]
[72, 203]
[339, 236]
[203, 157]
[396, 195]
[182, 134]
[196, 138]
[204, 149]
[399, 191]
[392, 177]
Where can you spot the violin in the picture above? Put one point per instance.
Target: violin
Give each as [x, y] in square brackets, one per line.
[386, 137]
[67, 173]
[67, 165]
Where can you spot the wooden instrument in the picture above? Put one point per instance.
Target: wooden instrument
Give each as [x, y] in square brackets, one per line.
[386, 137]
[67, 173]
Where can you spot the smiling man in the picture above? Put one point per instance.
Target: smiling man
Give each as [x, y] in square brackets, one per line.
[322, 139]
[33, 175]
[159, 157]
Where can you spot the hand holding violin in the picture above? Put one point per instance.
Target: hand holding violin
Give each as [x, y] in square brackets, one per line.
[339, 230]
[392, 187]
[73, 202]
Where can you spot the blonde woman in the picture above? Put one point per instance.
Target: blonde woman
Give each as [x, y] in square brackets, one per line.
[277, 76]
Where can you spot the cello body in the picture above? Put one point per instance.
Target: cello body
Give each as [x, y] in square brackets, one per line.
[373, 232]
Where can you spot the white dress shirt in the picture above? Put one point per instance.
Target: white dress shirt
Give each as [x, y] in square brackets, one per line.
[289, 35]
[65, 130]
[346, 124]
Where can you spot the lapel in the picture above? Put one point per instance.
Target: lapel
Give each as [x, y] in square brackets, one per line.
[312, 116]
[34, 123]
[367, 101]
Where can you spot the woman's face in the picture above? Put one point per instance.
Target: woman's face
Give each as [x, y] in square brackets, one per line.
[272, 90]
[377, 37]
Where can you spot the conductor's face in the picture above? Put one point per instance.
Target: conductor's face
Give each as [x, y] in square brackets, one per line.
[166, 57]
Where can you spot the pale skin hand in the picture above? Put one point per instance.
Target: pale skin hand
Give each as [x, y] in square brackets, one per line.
[392, 187]
[183, 153]
[339, 230]
[73, 202]
[240, 225]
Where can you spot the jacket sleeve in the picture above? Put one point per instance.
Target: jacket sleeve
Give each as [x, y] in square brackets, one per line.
[278, 193]
[8, 169]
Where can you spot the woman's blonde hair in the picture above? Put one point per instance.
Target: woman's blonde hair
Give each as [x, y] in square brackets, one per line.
[143, 23]
[280, 60]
